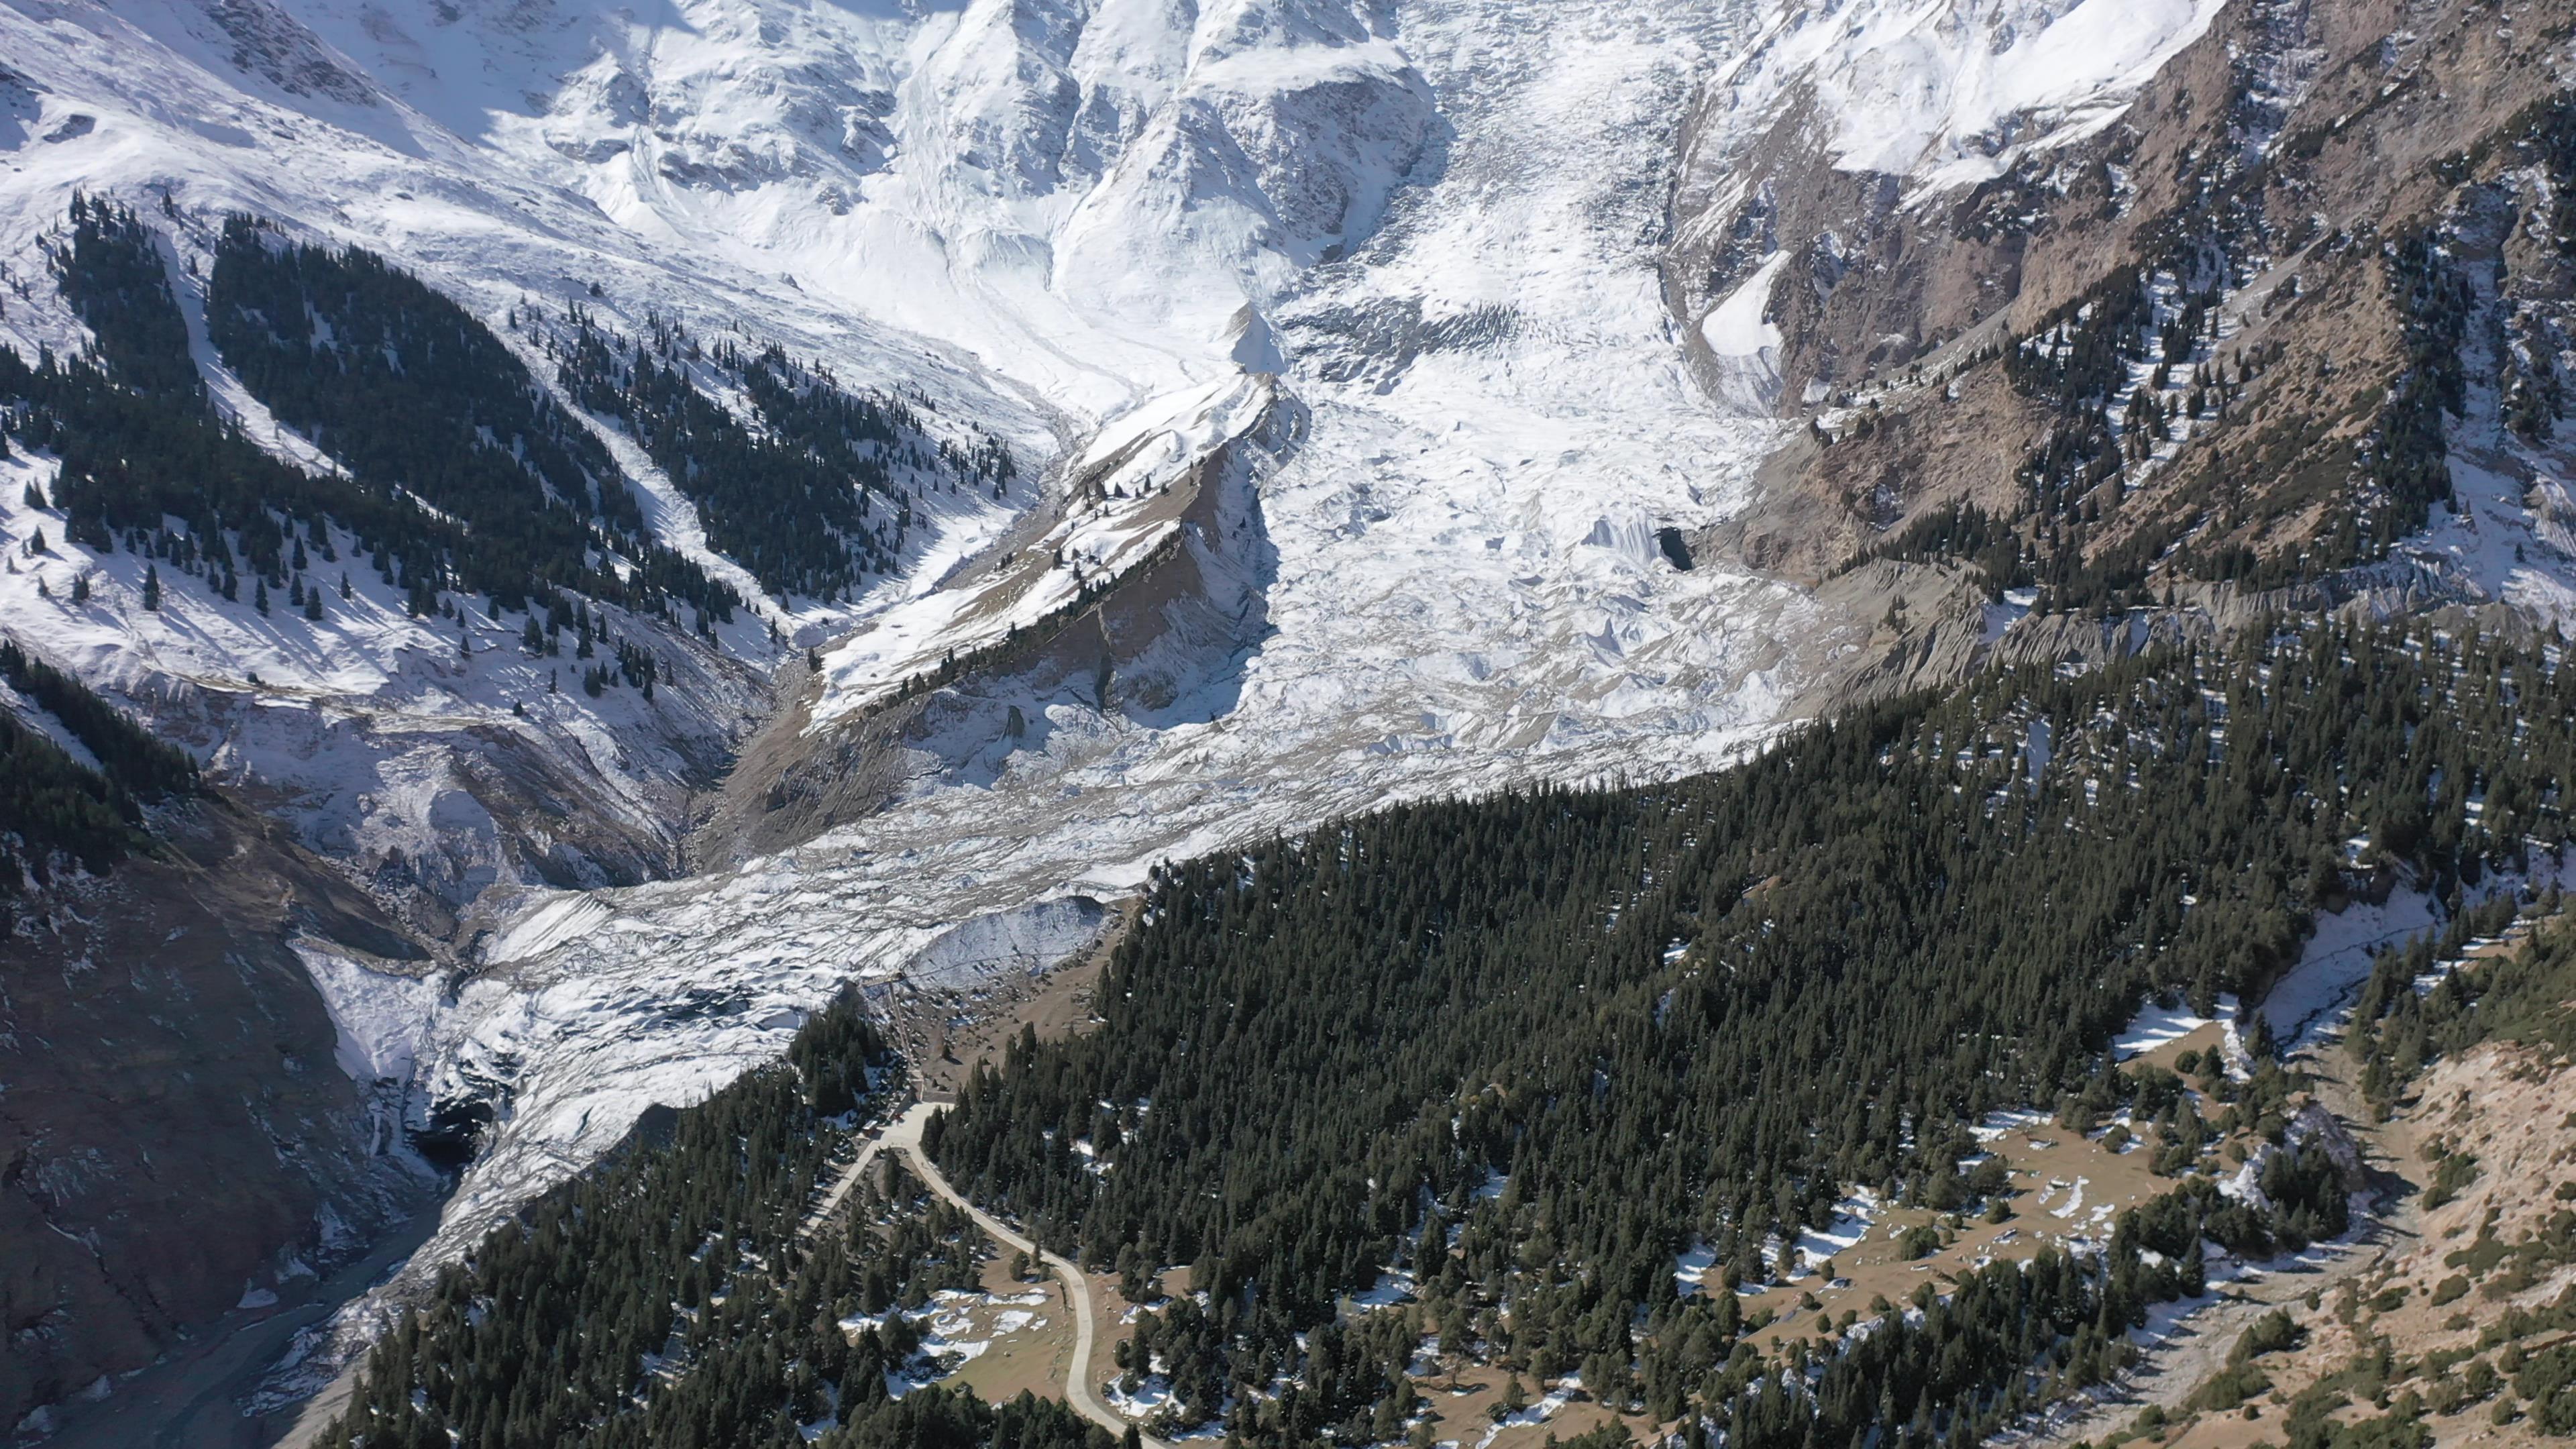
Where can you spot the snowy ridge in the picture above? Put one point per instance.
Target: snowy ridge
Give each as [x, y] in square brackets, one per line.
[1948, 93]
[1123, 513]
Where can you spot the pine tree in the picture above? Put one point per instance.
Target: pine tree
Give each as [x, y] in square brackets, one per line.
[152, 589]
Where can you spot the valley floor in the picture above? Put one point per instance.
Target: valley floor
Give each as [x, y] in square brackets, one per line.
[192, 1398]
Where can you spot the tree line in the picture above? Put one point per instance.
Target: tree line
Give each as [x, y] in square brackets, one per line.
[52, 804]
[417, 397]
[1552, 1038]
[462, 477]
[2074, 369]
[805, 489]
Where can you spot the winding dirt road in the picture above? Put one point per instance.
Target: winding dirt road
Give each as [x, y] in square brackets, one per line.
[904, 1136]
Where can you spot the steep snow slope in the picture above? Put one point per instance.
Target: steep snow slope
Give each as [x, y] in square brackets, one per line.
[1072, 193]
[1947, 93]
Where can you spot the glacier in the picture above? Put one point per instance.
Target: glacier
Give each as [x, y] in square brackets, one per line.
[1466, 596]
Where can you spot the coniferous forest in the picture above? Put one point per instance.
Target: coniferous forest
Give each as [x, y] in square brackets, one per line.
[414, 395]
[1526, 1048]
[1530, 1048]
[808, 499]
[1696, 1012]
[1341, 1022]
[54, 804]
[139, 762]
[668, 1298]
[460, 476]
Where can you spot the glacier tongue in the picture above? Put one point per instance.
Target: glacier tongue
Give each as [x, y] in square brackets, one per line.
[1466, 595]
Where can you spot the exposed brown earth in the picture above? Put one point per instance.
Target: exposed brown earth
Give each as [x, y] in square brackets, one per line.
[2428, 1282]
[2378, 117]
[175, 1131]
[1140, 644]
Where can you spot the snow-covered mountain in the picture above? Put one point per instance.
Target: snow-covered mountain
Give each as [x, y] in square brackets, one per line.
[1449, 517]
[1391, 366]
[1950, 93]
[1465, 583]
[1034, 219]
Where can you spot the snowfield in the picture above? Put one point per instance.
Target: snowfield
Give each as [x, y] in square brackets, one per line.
[1413, 246]
[1948, 93]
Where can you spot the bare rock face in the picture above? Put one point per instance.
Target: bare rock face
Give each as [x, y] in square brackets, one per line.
[177, 1133]
[272, 44]
[1845, 254]
[1154, 644]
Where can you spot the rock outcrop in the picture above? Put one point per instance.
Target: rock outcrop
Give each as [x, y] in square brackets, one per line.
[179, 1129]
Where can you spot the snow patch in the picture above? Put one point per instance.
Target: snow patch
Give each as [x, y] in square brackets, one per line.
[2157, 1024]
[381, 1019]
[1745, 342]
[2336, 961]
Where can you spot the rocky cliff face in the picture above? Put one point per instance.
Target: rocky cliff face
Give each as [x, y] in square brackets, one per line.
[183, 1126]
[972, 682]
[2199, 338]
